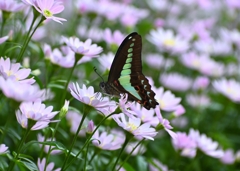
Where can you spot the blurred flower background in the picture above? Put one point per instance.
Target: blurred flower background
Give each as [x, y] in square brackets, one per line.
[190, 55]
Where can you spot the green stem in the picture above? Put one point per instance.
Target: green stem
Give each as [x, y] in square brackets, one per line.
[66, 85]
[88, 140]
[85, 161]
[28, 38]
[123, 147]
[75, 138]
[19, 148]
[96, 152]
[129, 155]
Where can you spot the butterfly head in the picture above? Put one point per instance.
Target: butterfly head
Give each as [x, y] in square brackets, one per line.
[102, 85]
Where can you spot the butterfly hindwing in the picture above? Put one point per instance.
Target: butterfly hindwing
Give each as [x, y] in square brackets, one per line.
[126, 73]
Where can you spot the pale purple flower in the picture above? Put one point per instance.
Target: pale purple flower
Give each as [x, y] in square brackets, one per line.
[89, 97]
[229, 88]
[115, 37]
[198, 100]
[74, 118]
[125, 105]
[167, 100]
[47, 147]
[90, 127]
[235, 4]
[93, 33]
[157, 61]
[155, 5]
[164, 123]
[10, 6]
[175, 81]
[134, 126]
[106, 60]
[49, 167]
[10, 89]
[108, 141]
[87, 49]
[36, 111]
[231, 36]
[147, 116]
[205, 144]
[64, 57]
[166, 40]
[3, 39]
[3, 148]
[179, 111]
[157, 165]
[13, 71]
[228, 157]
[48, 8]
[138, 151]
[186, 144]
[200, 83]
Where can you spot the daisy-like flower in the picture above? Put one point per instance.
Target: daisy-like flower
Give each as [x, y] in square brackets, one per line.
[36, 111]
[87, 49]
[205, 144]
[74, 118]
[10, 89]
[10, 6]
[64, 57]
[3, 39]
[228, 157]
[48, 8]
[125, 105]
[46, 147]
[3, 148]
[93, 33]
[138, 151]
[89, 97]
[108, 141]
[133, 125]
[198, 100]
[164, 123]
[167, 101]
[176, 81]
[167, 41]
[90, 127]
[106, 60]
[179, 111]
[200, 83]
[157, 61]
[229, 88]
[13, 71]
[186, 144]
[115, 37]
[49, 167]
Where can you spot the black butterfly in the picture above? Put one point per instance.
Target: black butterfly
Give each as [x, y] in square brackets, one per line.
[126, 74]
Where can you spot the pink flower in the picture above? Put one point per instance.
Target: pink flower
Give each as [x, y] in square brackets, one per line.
[90, 127]
[108, 141]
[106, 60]
[229, 88]
[164, 123]
[89, 97]
[134, 126]
[48, 8]
[47, 147]
[35, 111]
[115, 37]
[233, 4]
[138, 151]
[176, 81]
[49, 167]
[198, 100]
[167, 101]
[179, 111]
[10, 89]
[87, 49]
[200, 83]
[167, 41]
[74, 118]
[3, 148]
[228, 157]
[13, 71]
[125, 105]
[157, 61]
[3, 39]
[10, 6]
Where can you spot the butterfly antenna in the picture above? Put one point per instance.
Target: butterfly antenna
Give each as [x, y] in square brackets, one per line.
[95, 70]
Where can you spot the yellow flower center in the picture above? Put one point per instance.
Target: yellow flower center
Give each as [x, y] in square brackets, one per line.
[169, 42]
[230, 91]
[161, 103]
[132, 126]
[47, 13]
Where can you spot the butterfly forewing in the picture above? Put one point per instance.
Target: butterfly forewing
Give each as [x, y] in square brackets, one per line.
[126, 73]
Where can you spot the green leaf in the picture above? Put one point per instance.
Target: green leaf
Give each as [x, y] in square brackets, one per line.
[142, 163]
[27, 163]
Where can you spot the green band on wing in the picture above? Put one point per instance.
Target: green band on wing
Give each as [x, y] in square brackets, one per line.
[132, 44]
[126, 66]
[129, 55]
[125, 83]
[129, 60]
[125, 72]
[130, 50]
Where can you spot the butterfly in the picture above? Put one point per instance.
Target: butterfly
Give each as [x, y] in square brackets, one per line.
[126, 75]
